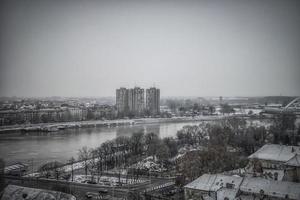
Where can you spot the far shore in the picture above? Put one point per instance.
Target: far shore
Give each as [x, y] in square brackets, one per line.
[52, 127]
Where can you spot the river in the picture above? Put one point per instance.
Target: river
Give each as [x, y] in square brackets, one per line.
[39, 147]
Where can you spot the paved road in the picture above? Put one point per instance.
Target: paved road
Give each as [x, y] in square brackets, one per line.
[79, 189]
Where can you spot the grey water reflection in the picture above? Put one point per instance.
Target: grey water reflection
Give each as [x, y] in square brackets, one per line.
[40, 147]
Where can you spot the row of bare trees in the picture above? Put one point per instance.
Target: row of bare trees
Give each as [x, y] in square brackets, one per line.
[53, 169]
[123, 151]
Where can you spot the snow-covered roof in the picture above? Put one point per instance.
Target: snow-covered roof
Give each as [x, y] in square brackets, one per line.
[204, 182]
[295, 161]
[21, 193]
[280, 189]
[213, 182]
[16, 166]
[228, 186]
[276, 152]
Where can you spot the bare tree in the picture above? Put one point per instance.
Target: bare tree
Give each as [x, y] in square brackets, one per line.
[2, 180]
[84, 155]
[100, 157]
[106, 151]
[137, 142]
[72, 161]
[93, 163]
[53, 168]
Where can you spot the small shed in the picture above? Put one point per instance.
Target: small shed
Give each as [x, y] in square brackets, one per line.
[18, 169]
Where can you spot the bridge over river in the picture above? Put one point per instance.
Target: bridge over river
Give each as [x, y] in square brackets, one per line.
[291, 108]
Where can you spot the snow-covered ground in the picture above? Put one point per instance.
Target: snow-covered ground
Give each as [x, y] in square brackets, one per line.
[107, 180]
[150, 164]
[244, 111]
[258, 123]
[183, 150]
[36, 174]
[77, 165]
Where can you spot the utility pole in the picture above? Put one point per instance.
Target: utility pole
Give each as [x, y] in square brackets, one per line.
[32, 173]
[31, 166]
[113, 191]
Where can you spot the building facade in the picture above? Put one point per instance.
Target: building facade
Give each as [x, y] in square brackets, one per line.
[63, 114]
[152, 101]
[130, 102]
[277, 162]
[101, 112]
[136, 101]
[122, 101]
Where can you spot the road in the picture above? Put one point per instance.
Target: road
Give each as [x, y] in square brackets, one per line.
[80, 189]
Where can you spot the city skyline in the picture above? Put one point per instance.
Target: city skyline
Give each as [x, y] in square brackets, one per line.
[149, 99]
[190, 48]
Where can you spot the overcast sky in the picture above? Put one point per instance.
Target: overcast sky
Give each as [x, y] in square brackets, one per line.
[186, 48]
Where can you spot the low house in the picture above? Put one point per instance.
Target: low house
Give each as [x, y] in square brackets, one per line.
[223, 187]
[17, 169]
[278, 161]
[261, 188]
[213, 186]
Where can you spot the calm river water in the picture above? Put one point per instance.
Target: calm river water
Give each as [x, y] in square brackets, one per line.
[40, 147]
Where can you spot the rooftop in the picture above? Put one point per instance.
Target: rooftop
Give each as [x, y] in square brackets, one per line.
[214, 182]
[276, 152]
[16, 166]
[295, 161]
[280, 189]
[228, 186]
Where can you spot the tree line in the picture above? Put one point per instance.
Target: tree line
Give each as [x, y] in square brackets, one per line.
[225, 146]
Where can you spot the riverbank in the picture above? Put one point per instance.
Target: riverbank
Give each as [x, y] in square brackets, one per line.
[52, 127]
[36, 148]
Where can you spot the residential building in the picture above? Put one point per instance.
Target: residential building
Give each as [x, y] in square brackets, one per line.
[78, 114]
[11, 117]
[17, 169]
[131, 102]
[223, 187]
[213, 186]
[122, 101]
[136, 101]
[152, 101]
[101, 112]
[278, 162]
[260, 188]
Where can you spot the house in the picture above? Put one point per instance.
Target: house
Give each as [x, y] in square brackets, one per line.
[223, 187]
[261, 188]
[17, 169]
[213, 186]
[278, 161]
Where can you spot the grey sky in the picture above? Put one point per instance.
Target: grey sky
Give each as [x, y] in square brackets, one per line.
[186, 48]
